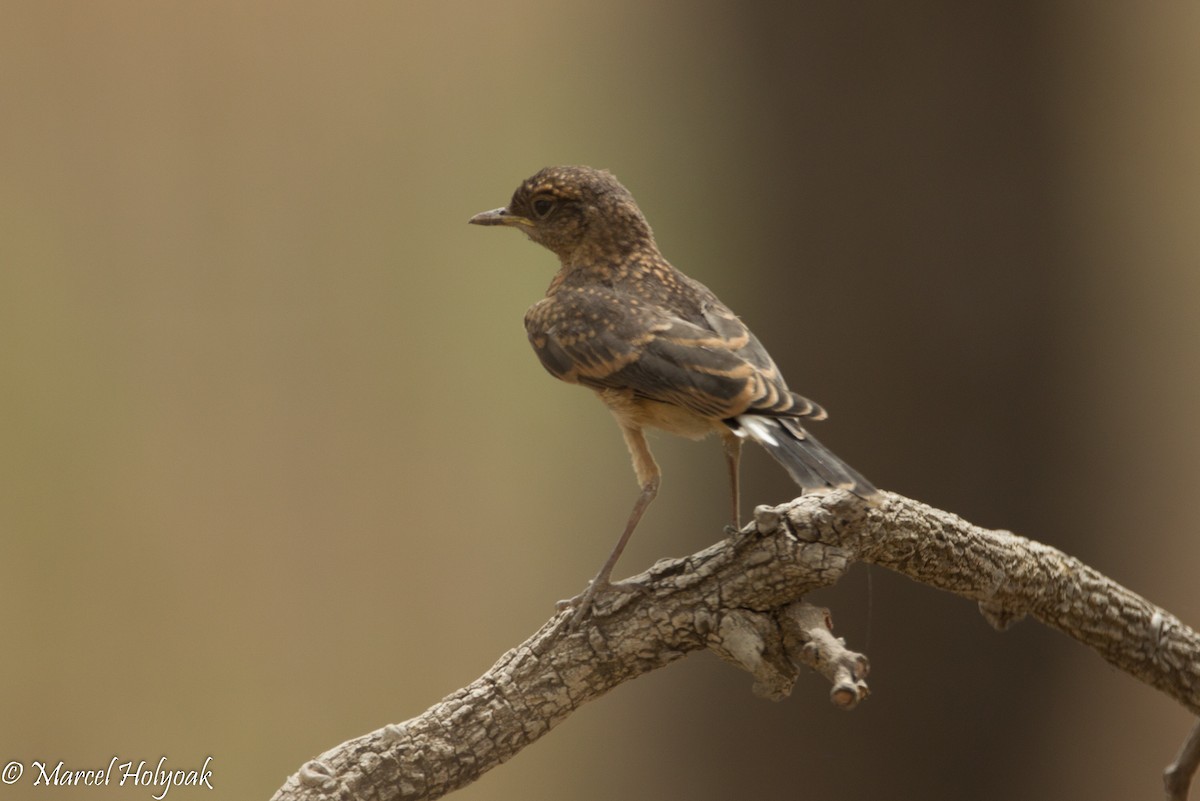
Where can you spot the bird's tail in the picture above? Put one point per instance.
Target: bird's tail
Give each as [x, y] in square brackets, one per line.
[811, 464]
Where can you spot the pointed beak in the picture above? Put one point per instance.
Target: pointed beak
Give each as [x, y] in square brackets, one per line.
[501, 216]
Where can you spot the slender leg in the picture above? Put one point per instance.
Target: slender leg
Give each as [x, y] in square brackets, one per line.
[733, 455]
[649, 476]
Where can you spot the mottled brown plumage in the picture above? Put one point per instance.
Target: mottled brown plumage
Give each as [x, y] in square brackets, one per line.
[657, 347]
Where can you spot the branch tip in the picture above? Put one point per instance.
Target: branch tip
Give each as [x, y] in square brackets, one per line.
[1177, 778]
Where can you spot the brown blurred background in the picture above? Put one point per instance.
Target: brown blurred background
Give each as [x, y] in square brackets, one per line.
[277, 466]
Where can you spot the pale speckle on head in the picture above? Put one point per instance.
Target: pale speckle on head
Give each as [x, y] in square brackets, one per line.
[581, 214]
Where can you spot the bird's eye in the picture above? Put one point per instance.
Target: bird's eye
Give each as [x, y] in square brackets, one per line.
[542, 206]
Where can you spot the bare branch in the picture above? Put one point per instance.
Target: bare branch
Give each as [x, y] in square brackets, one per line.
[741, 598]
[810, 641]
[1177, 778]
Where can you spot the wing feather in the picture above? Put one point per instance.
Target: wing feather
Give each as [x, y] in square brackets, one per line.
[710, 364]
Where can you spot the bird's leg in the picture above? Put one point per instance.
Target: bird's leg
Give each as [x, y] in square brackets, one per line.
[601, 582]
[649, 476]
[733, 456]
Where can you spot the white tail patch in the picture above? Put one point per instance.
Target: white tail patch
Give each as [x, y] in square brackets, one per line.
[759, 428]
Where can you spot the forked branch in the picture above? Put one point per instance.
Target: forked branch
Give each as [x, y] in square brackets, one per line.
[742, 598]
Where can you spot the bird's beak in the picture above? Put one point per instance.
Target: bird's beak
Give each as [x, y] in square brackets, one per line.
[501, 216]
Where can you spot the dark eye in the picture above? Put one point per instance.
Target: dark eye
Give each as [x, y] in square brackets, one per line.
[542, 206]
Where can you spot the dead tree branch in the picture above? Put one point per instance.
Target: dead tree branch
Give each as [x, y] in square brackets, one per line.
[1177, 778]
[742, 598]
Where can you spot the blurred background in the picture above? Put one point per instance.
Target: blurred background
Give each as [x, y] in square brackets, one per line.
[277, 465]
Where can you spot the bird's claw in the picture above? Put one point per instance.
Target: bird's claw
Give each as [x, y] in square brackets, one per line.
[584, 601]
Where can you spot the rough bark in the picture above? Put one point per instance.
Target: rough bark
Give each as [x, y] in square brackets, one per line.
[742, 598]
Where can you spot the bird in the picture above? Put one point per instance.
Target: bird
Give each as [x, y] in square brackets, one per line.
[657, 347]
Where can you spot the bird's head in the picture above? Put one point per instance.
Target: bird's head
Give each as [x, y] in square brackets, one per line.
[568, 208]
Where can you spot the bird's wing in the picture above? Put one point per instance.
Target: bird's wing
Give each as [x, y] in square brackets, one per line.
[709, 364]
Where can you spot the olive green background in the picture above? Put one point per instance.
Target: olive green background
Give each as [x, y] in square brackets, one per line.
[277, 466]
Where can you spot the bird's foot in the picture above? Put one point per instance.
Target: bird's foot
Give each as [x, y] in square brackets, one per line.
[734, 528]
[582, 603]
